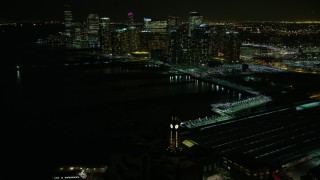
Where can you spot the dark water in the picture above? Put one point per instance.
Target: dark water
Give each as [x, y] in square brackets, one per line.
[83, 106]
[119, 89]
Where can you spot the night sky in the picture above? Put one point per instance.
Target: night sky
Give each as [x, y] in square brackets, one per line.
[160, 9]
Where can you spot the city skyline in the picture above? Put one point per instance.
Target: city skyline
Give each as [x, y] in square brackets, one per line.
[212, 10]
[161, 90]
[87, 101]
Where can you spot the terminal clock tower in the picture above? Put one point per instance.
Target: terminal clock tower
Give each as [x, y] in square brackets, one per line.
[174, 139]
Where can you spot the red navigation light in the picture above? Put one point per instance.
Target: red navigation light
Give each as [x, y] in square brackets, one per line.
[275, 177]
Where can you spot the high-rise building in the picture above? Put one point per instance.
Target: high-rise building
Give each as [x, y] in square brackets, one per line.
[80, 35]
[218, 33]
[156, 26]
[231, 47]
[173, 47]
[172, 23]
[105, 35]
[130, 18]
[146, 21]
[68, 21]
[190, 51]
[214, 42]
[120, 42]
[158, 45]
[179, 46]
[144, 38]
[195, 19]
[184, 46]
[200, 38]
[93, 30]
[133, 38]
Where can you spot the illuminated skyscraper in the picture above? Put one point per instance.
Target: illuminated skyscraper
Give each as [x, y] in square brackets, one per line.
[68, 21]
[133, 38]
[144, 38]
[130, 18]
[173, 47]
[214, 42]
[158, 45]
[105, 35]
[172, 23]
[200, 53]
[195, 19]
[146, 22]
[80, 36]
[120, 42]
[231, 47]
[156, 26]
[184, 46]
[93, 30]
